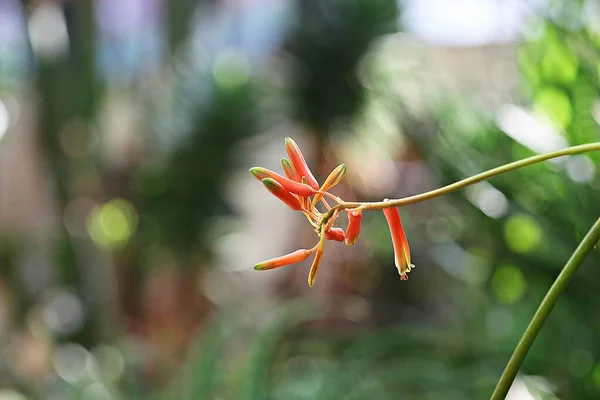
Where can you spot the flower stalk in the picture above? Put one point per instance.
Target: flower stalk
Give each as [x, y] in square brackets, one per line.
[535, 325]
[299, 184]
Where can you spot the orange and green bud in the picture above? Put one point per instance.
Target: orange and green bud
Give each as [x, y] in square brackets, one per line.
[399, 242]
[292, 258]
[289, 170]
[299, 162]
[279, 191]
[291, 186]
[314, 268]
[336, 234]
[333, 179]
[354, 220]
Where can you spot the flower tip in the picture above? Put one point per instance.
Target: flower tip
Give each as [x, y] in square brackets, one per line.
[259, 267]
[258, 172]
[270, 182]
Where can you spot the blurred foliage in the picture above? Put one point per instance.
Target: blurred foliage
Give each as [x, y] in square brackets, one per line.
[328, 42]
[192, 178]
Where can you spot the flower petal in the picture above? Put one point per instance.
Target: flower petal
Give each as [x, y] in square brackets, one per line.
[299, 162]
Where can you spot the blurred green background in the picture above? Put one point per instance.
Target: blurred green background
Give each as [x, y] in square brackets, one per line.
[129, 224]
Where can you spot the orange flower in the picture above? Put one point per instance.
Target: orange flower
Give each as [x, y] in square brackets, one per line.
[291, 186]
[279, 191]
[334, 233]
[354, 220]
[289, 170]
[299, 162]
[299, 190]
[292, 258]
[399, 242]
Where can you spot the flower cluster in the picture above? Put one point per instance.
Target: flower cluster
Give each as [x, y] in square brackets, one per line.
[300, 191]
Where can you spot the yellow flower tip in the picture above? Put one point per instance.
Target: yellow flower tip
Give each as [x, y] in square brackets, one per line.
[258, 172]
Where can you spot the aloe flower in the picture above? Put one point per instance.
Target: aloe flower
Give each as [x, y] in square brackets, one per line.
[292, 258]
[299, 162]
[399, 242]
[300, 191]
[354, 220]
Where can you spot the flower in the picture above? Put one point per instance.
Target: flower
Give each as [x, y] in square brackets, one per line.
[354, 220]
[300, 191]
[399, 242]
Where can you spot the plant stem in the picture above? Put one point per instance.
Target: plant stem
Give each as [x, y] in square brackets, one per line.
[378, 205]
[540, 316]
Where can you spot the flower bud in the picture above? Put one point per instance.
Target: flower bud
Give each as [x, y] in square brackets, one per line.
[314, 268]
[399, 242]
[294, 257]
[299, 162]
[289, 170]
[334, 233]
[279, 191]
[354, 220]
[291, 186]
[333, 179]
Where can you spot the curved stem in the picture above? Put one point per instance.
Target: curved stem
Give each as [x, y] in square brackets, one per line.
[540, 316]
[465, 182]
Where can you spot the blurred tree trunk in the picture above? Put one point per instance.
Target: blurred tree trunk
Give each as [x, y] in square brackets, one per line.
[69, 91]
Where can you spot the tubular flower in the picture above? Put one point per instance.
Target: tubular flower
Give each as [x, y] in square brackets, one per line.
[300, 191]
[291, 186]
[292, 258]
[354, 220]
[399, 242]
[299, 162]
[279, 191]
[289, 171]
[336, 234]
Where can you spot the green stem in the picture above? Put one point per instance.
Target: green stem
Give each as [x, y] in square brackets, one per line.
[378, 205]
[512, 368]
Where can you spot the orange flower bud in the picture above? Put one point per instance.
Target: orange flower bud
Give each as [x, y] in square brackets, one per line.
[279, 191]
[399, 242]
[289, 170]
[299, 162]
[354, 220]
[334, 233]
[291, 186]
[292, 258]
